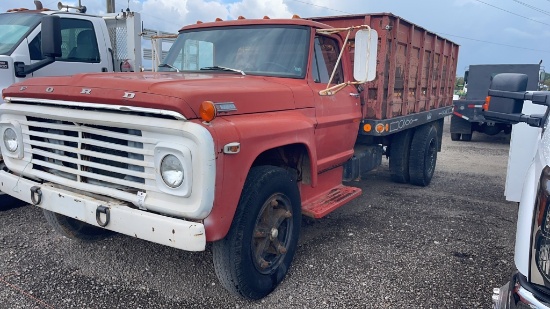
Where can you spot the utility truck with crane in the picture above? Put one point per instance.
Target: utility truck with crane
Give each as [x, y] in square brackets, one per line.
[89, 43]
[249, 125]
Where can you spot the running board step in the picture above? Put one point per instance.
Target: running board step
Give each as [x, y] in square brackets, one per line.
[329, 201]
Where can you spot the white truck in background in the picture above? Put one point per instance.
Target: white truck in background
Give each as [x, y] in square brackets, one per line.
[89, 43]
[528, 182]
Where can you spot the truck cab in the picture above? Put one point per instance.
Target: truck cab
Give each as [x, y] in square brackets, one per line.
[85, 44]
[529, 286]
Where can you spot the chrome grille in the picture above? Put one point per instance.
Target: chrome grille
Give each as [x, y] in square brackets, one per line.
[98, 155]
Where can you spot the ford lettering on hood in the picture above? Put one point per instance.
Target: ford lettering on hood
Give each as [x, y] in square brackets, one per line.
[179, 92]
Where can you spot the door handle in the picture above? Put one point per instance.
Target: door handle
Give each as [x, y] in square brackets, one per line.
[355, 95]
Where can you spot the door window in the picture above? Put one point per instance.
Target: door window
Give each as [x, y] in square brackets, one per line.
[326, 53]
[78, 42]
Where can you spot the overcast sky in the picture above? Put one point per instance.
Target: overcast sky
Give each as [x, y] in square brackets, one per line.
[488, 31]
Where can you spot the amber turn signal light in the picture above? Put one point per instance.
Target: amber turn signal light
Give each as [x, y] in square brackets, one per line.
[207, 111]
[367, 127]
[486, 104]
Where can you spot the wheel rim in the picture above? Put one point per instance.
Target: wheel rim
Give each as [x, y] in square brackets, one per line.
[431, 157]
[272, 233]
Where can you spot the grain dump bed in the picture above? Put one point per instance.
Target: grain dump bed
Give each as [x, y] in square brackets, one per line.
[416, 68]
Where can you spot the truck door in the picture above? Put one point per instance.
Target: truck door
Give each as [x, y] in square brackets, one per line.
[81, 52]
[337, 115]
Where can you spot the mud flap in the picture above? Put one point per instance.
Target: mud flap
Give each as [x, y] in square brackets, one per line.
[439, 127]
[459, 125]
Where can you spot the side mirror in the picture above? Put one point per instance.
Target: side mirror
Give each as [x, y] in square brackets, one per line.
[51, 36]
[366, 51]
[466, 73]
[51, 47]
[506, 97]
[509, 82]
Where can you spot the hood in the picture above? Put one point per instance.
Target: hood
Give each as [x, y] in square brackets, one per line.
[180, 92]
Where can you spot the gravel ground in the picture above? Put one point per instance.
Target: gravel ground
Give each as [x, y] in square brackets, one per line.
[397, 246]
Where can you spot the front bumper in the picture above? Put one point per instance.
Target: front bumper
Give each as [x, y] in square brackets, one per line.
[177, 233]
[519, 294]
[5, 199]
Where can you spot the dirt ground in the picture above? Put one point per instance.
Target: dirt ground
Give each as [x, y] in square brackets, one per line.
[397, 246]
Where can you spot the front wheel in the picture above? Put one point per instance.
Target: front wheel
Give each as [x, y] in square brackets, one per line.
[8, 201]
[256, 254]
[74, 229]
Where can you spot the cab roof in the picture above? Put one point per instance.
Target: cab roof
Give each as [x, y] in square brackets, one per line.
[53, 12]
[246, 22]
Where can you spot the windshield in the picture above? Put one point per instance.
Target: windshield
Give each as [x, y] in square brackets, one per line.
[13, 28]
[256, 50]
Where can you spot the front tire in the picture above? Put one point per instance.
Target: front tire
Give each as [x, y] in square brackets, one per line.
[423, 155]
[75, 229]
[7, 201]
[256, 254]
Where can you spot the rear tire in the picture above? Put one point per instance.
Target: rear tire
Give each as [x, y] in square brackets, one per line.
[256, 254]
[467, 137]
[492, 130]
[423, 155]
[75, 229]
[399, 156]
[455, 137]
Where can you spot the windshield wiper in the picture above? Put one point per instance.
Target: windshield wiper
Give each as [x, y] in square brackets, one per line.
[167, 65]
[219, 68]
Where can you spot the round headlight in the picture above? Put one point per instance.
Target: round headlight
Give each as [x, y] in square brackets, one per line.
[10, 140]
[171, 171]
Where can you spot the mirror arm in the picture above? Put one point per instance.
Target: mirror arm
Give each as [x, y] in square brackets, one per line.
[531, 120]
[22, 69]
[334, 89]
[537, 97]
[339, 59]
[507, 94]
[336, 30]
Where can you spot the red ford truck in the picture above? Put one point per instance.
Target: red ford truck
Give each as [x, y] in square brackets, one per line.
[250, 124]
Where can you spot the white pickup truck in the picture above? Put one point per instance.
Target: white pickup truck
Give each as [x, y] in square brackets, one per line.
[528, 182]
[87, 43]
